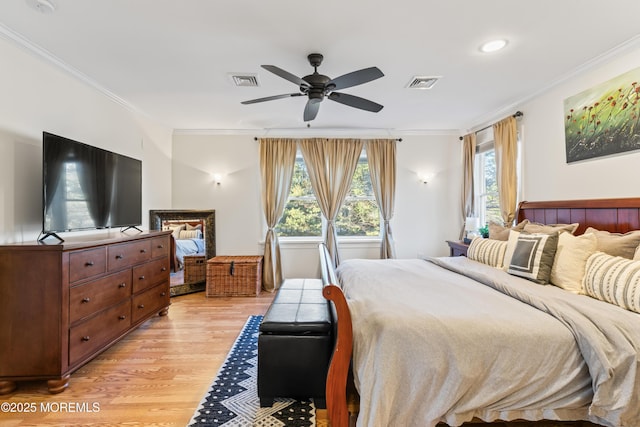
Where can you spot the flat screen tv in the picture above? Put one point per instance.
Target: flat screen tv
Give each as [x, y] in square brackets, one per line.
[86, 187]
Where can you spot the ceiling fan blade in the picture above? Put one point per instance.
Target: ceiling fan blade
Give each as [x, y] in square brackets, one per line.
[355, 78]
[286, 75]
[355, 101]
[271, 98]
[311, 110]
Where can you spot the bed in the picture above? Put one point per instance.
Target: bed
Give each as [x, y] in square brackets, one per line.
[187, 238]
[454, 339]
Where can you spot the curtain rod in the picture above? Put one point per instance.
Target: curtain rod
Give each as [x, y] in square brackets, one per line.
[516, 115]
[255, 138]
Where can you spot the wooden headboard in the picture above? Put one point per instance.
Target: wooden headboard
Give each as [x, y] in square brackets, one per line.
[191, 222]
[614, 215]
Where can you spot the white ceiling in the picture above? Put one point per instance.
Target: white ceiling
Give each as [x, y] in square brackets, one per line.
[171, 59]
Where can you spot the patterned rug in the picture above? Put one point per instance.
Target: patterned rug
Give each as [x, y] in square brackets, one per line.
[232, 399]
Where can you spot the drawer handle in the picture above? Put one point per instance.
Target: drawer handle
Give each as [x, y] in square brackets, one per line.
[119, 256]
[163, 294]
[88, 263]
[160, 246]
[122, 317]
[122, 285]
[141, 306]
[141, 278]
[163, 269]
[86, 338]
[86, 299]
[143, 251]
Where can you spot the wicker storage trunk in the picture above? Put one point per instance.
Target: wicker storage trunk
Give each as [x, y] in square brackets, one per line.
[195, 268]
[234, 276]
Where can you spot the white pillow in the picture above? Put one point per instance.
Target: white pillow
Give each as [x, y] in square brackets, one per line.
[176, 229]
[571, 258]
[636, 256]
[613, 279]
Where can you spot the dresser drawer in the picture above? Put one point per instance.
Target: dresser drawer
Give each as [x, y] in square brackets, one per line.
[94, 333]
[128, 254]
[160, 247]
[86, 264]
[150, 301]
[150, 274]
[94, 296]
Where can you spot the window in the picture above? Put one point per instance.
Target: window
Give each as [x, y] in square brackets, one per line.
[487, 200]
[302, 215]
[358, 217]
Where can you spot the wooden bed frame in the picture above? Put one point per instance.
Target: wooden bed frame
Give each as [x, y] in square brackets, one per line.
[614, 215]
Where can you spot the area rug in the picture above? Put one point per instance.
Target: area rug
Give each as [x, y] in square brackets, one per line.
[232, 400]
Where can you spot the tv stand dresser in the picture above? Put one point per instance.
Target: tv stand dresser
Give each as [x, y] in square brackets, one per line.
[63, 304]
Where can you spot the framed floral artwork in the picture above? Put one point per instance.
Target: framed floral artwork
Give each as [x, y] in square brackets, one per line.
[604, 120]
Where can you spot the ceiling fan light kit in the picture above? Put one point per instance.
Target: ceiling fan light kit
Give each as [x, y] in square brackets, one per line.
[317, 86]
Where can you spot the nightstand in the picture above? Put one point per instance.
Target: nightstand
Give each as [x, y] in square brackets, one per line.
[457, 247]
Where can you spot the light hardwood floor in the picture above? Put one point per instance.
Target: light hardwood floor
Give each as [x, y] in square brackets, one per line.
[155, 376]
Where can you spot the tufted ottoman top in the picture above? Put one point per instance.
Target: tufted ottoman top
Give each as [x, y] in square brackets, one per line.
[298, 309]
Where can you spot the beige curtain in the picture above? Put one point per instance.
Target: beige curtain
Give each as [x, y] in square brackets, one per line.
[505, 137]
[381, 155]
[331, 164]
[277, 159]
[468, 162]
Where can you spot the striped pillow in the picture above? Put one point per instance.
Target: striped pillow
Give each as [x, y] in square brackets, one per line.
[190, 234]
[613, 279]
[487, 251]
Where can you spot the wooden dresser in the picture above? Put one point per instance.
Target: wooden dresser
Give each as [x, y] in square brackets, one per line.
[63, 304]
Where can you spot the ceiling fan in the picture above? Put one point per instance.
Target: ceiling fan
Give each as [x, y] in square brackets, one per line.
[317, 86]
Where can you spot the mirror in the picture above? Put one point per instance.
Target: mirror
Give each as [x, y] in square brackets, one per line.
[193, 242]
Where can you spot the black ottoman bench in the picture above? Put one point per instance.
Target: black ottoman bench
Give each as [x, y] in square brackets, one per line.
[295, 344]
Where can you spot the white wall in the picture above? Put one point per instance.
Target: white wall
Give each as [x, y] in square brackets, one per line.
[36, 97]
[547, 176]
[425, 216]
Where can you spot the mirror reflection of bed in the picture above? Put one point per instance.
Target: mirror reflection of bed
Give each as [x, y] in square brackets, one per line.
[192, 244]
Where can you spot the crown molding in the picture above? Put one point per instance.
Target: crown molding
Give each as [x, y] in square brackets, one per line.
[43, 54]
[619, 50]
[324, 132]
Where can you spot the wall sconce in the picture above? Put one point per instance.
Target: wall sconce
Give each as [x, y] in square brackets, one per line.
[424, 178]
[217, 178]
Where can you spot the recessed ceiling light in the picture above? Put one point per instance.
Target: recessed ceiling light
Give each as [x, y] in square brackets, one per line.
[493, 46]
[42, 6]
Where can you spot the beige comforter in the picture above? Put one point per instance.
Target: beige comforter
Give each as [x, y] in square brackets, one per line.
[433, 345]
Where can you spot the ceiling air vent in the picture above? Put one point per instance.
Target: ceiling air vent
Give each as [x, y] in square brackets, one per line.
[246, 80]
[423, 82]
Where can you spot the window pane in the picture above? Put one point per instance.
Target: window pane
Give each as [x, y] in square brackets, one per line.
[358, 218]
[301, 218]
[301, 215]
[492, 202]
[359, 215]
